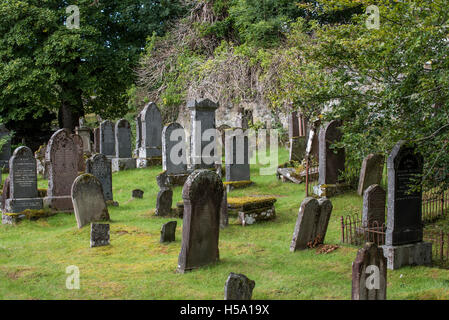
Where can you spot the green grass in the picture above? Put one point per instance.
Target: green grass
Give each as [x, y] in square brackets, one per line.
[35, 255]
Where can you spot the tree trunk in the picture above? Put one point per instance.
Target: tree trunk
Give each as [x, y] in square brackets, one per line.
[69, 114]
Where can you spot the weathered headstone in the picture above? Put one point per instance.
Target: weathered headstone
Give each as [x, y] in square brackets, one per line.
[371, 173]
[80, 153]
[374, 200]
[107, 138]
[100, 166]
[123, 149]
[369, 274]
[224, 217]
[203, 139]
[5, 151]
[404, 235]
[88, 200]
[238, 287]
[293, 125]
[96, 140]
[202, 195]
[311, 226]
[236, 156]
[137, 194]
[84, 133]
[23, 182]
[164, 202]
[168, 232]
[331, 161]
[99, 234]
[151, 120]
[62, 154]
[174, 159]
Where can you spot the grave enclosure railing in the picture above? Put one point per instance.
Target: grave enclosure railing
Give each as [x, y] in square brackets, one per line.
[435, 205]
[311, 178]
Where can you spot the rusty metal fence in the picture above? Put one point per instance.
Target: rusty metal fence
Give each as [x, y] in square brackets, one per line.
[311, 178]
[435, 204]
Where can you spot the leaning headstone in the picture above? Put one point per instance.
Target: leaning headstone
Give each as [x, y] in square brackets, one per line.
[371, 173]
[238, 287]
[107, 138]
[62, 154]
[203, 139]
[5, 151]
[137, 194]
[88, 200]
[23, 182]
[151, 135]
[236, 156]
[123, 149]
[404, 235]
[311, 226]
[174, 159]
[168, 232]
[80, 153]
[202, 195]
[99, 234]
[100, 166]
[369, 274]
[374, 200]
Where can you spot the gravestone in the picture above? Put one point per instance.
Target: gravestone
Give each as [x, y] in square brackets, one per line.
[138, 134]
[202, 195]
[371, 173]
[96, 140]
[62, 154]
[123, 149]
[23, 182]
[80, 153]
[404, 235]
[236, 156]
[174, 160]
[100, 167]
[331, 164]
[374, 200]
[164, 202]
[238, 287]
[369, 274]
[88, 200]
[99, 234]
[84, 132]
[312, 222]
[5, 152]
[202, 140]
[224, 217]
[293, 125]
[107, 138]
[137, 194]
[151, 121]
[168, 232]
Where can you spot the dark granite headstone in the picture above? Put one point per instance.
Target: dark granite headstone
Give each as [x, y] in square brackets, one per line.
[88, 200]
[100, 166]
[164, 202]
[137, 194]
[202, 195]
[168, 232]
[99, 234]
[123, 139]
[371, 173]
[107, 138]
[331, 164]
[5, 152]
[151, 120]
[237, 156]
[174, 159]
[369, 274]
[374, 200]
[238, 287]
[312, 222]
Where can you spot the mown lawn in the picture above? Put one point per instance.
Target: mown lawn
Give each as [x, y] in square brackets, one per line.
[34, 255]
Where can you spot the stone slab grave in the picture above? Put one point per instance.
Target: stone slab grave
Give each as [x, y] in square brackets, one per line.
[371, 172]
[88, 200]
[99, 234]
[150, 134]
[369, 274]
[202, 119]
[80, 153]
[164, 198]
[5, 151]
[292, 171]
[107, 138]
[100, 166]
[331, 161]
[404, 243]
[174, 158]
[123, 149]
[168, 232]
[202, 195]
[312, 222]
[62, 154]
[237, 159]
[238, 287]
[253, 209]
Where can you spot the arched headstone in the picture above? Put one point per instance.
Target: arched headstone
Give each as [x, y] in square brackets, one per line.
[174, 159]
[100, 166]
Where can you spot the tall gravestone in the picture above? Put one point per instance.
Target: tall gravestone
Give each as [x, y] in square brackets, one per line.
[23, 182]
[174, 159]
[331, 161]
[151, 132]
[62, 154]
[404, 235]
[123, 149]
[312, 222]
[371, 172]
[237, 155]
[202, 195]
[5, 152]
[100, 167]
[88, 200]
[369, 274]
[107, 138]
[202, 139]
[374, 200]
